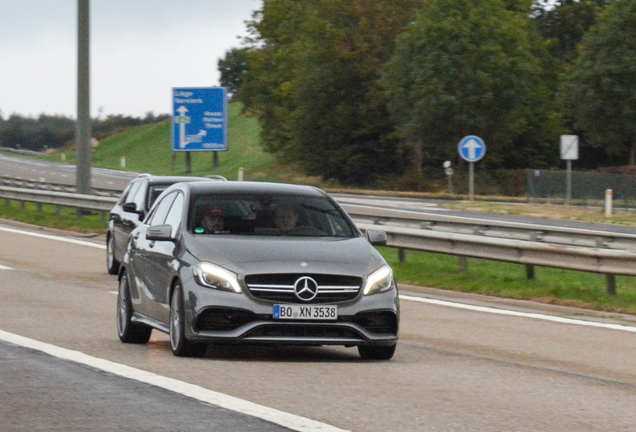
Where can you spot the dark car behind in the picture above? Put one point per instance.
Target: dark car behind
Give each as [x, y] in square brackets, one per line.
[133, 205]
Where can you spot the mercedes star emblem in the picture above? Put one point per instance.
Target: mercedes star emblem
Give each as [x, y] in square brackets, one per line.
[306, 288]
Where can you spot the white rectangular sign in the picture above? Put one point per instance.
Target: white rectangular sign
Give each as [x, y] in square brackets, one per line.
[569, 147]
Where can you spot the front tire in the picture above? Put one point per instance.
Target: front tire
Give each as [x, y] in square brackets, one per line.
[376, 352]
[181, 347]
[129, 332]
[112, 265]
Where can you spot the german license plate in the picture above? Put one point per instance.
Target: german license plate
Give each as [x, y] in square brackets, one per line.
[300, 312]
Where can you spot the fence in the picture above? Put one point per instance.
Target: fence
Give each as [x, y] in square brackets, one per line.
[588, 188]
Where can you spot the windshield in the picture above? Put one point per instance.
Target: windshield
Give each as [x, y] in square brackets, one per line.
[268, 215]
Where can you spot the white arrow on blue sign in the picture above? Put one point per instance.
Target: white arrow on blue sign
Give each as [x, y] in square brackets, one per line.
[471, 148]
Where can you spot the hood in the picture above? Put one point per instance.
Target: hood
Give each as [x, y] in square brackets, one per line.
[252, 255]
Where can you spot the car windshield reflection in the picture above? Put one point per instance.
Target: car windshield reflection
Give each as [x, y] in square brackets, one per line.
[269, 215]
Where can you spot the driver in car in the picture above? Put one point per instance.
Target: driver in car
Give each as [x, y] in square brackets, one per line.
[212, 220]
[285, 219]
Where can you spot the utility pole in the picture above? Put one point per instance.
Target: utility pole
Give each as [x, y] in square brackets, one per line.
[83, 132]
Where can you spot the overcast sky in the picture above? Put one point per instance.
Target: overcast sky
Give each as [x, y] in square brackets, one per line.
[140, 50]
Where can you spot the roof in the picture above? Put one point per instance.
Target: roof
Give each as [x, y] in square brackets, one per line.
[152, 179]
[243, 187]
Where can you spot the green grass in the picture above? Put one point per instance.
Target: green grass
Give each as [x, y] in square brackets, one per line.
[555, 286]
[47, 217]
[148, 149]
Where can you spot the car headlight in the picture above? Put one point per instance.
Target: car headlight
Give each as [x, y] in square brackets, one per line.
[212, 276]
[379, 281]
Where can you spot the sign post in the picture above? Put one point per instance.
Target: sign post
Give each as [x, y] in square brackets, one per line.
[569, 152]
[199, 121]
[471, 148]
[449, 174]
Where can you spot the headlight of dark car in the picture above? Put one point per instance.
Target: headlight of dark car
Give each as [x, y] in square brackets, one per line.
[215, 277]
[379, 281]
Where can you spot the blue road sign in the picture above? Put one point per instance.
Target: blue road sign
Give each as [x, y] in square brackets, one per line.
[471, 148]
[199, 119]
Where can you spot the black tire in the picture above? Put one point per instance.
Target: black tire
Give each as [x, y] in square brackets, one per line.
[129, 332]
[376, 352]
[112, 265]
[181, 347]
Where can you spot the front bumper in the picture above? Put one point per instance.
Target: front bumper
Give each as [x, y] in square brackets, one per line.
[218, 317]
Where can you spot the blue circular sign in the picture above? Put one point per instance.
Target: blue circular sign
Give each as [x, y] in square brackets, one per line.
[471, 148]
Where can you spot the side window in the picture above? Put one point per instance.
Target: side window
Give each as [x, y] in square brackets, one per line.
[174, 215]
[124, 194]
[153, 193]
[160, 212]
[131, 192]
[140, 197]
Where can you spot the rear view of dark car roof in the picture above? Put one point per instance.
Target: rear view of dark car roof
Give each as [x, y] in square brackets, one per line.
[155, 180]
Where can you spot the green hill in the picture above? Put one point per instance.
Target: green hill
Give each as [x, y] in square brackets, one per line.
[148, 149]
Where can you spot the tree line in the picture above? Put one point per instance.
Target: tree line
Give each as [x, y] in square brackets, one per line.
[55, 131]
[364, 90]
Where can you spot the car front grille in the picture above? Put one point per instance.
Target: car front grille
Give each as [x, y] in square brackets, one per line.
[281, 287]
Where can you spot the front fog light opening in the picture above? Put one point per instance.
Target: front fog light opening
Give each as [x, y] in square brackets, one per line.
[211, 276]
[379, 281]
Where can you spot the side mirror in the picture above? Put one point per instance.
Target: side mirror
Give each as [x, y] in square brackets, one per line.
[376, 237]
[160, 233]
[130, 207]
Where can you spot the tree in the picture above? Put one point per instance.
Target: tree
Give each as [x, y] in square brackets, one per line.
[232, 68]
[564, 23]
[313, 81]
[599, 90]
[466, 67]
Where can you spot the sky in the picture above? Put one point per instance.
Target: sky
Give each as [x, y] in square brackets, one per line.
[139, 51]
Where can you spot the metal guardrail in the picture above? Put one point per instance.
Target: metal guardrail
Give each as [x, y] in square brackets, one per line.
[494, 228]
[20, 151]
[531, 245]
[59, 199]
[56, 187]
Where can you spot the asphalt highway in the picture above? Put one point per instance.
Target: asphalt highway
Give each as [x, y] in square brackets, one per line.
[464, 362]
[54, 172]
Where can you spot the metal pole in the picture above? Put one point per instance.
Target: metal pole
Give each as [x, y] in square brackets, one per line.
[611, 284]
[568, 193]
[471, 181]
[83, 132]
[215, 160]
[188, 167]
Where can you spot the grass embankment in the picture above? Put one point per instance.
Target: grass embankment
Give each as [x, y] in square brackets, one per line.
[67, 220]
[553, 286]
[147, 149]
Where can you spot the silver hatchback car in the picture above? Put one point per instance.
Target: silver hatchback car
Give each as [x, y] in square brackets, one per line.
[256, 263]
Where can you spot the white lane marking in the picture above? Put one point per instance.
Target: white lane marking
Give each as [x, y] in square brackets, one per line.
[291, 421]
[5, 267]
[51, 237]
[520, 314]
[113, 292]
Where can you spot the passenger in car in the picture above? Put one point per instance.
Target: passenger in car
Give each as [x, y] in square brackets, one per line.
[212, 220]
[285, 219]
